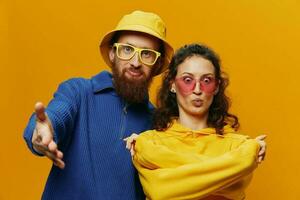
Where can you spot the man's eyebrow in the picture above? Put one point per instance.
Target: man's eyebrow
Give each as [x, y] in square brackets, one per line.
[143, 47]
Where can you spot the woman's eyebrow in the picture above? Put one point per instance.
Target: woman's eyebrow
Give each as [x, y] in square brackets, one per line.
[191, 74]
[187, 73]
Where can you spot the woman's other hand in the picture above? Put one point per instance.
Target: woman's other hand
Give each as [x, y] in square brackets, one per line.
[263, 146]
[130, 142]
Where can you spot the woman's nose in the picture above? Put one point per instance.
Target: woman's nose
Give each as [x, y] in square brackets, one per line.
[197, 89]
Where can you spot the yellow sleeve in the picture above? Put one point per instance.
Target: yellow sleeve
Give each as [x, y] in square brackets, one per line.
[236, 190]
[193, 180]
[152, 156]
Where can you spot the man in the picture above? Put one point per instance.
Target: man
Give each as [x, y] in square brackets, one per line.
[83, 127]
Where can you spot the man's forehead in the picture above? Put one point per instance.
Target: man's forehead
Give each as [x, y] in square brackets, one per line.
[141, 40]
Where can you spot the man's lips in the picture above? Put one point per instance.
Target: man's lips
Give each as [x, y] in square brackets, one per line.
[135, 73]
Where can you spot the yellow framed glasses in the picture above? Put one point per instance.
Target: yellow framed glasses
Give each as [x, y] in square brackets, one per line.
[127, 51]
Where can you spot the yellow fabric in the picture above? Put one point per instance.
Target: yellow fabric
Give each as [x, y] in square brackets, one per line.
[181, 163]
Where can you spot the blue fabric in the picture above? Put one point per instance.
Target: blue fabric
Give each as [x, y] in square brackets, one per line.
[90, 122]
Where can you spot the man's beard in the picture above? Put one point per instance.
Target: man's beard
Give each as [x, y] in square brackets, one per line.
[131, 90]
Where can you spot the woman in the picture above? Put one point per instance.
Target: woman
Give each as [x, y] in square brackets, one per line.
[193, 151]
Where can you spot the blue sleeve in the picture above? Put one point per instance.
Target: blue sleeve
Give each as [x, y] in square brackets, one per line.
[62, 111]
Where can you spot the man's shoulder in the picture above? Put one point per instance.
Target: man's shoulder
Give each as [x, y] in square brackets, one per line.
[96, 82]
[77, 80]
[76, 83]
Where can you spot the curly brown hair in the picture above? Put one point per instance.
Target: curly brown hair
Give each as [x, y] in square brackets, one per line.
[218, 115]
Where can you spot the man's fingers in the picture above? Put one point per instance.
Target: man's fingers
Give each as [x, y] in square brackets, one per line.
[40, 147]
[40, 111]
[59, 154]
[56, 161]
[44, 150]
[50, 155]
[43, 130]
[61, 164]
[54, 154]
[52, 146]
[47, 139]
[35, 136]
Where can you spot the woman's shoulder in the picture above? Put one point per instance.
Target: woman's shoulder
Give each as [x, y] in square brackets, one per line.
[236, 135]
[153, 135]
[238, 138]
[150, 133]
[230, 132]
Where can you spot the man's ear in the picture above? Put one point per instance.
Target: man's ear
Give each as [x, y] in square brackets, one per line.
[112, 55]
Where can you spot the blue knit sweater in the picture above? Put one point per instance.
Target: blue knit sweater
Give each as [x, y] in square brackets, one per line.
[90, 121]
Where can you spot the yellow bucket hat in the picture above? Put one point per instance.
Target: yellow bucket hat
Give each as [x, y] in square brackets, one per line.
[144, 22]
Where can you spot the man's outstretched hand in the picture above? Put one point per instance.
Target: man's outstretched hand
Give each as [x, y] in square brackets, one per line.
[42, 138]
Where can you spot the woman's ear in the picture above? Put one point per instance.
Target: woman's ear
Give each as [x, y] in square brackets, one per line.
[217, 89]
[173, 88]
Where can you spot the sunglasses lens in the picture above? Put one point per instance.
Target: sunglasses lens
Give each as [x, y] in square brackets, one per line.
[125, 51]
[208, 85]
[185, 86]
[148, 56]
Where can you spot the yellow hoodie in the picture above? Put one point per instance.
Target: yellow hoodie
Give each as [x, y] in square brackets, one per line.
[181, 163]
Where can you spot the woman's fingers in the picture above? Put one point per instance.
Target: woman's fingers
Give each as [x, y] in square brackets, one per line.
[261, 137]
[263, 145]
[130, 141]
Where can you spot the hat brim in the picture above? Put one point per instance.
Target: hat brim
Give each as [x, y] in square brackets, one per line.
[105, 46]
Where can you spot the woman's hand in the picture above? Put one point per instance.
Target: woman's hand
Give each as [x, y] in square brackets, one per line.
[130, 142]
[263, 146]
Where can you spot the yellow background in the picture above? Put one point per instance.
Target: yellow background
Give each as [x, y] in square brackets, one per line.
[43, 43]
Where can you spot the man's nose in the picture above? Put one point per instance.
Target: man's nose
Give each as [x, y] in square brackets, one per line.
[135, 60]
